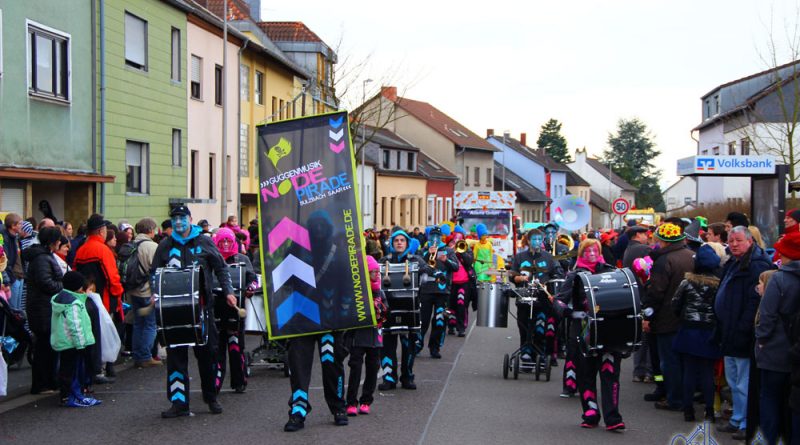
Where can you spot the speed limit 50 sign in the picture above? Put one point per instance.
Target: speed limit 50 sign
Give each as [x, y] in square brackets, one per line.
[621, 206]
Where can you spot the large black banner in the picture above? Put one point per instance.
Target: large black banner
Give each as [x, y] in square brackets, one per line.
[312, 253]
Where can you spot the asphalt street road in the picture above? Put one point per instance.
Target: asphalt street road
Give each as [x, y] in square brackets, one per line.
[461, 398]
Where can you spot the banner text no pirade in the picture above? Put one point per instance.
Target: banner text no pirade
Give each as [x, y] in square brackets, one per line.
[312, 252]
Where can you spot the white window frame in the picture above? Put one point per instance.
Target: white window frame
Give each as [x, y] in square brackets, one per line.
[144, 178]
[439, 209]
[66, 36]
[130, 63]
[175, 54]
[1, 43]
[431, 210]
[177, 147]
[244, 82]
[448, 203]
[258, 87]
[199, 81]
[244, 150]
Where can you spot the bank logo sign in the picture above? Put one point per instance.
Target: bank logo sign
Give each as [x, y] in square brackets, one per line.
[726, 165]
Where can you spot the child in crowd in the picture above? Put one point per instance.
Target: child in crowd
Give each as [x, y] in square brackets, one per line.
[365, 348]
[71, 334]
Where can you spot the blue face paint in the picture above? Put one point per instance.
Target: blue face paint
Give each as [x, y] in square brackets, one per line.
[180, 223]
[536, 242]
[550, 233]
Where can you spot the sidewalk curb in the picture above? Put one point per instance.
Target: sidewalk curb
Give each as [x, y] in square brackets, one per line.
[22, 396]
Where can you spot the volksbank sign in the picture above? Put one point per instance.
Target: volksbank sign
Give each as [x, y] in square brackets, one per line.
[726, 165]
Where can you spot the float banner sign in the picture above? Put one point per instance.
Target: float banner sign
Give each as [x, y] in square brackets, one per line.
[312, 251]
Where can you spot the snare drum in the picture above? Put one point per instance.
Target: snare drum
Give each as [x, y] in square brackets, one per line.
[554, 286]
[179, 312]
[402, 297]
[492, 305]
[613, 322]
[221, 308]
[256, 320]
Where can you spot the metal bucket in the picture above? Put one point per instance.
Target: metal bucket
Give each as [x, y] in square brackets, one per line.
[492, 305]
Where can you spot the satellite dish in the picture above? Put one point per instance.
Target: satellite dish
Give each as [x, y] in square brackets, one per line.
[570, 212]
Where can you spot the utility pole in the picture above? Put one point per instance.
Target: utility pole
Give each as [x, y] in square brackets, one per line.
[223, 209]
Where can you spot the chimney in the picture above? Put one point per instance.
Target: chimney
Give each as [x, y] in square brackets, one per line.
[255, 9]
[489, 132]
[389, 93]
[523, 138]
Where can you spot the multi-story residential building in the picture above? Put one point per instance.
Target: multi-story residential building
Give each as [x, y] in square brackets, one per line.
[212, 192]
[271, 87]
[533, 165]
[682, 195]
[531, 202]
[400, 188]
[606, 186]
[746, 117]
[439, 136]
[311, 53]
[142, 89]
[46, 108]
[439, 188]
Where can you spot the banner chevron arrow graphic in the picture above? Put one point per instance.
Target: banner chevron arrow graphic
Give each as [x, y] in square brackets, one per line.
[297, 303]
[336, 123]
[288, 229]
[289, 267]
[336, 135]
[337, 148]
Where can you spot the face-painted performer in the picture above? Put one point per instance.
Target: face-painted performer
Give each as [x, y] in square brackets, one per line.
[539, 327]
[436, 277]
[580, 373]
[185, 248]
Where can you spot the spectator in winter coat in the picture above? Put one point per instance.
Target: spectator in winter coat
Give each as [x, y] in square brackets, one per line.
[735, 307]
[144, 326]
[43, 280]
[693, 303]
[780, 303]
[9, 234]
[639, 248]
[671, 262]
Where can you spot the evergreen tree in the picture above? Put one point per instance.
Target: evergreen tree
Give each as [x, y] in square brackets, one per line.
[630, 153]
[554, 144]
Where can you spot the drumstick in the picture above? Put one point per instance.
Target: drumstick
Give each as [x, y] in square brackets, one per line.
[387, 282]
[406, 277]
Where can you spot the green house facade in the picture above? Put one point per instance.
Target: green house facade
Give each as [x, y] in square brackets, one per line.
[46, 104]
[141, 107]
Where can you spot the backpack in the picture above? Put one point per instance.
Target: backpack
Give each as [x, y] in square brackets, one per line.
[131, 273]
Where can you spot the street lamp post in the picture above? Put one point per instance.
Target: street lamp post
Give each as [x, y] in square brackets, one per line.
[505, 138]
[363, 144]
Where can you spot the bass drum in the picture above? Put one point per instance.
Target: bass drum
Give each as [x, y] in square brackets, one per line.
[492, 305]
[179, 310]
[613, 321]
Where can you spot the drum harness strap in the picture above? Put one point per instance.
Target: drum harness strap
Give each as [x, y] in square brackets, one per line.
[326, 264]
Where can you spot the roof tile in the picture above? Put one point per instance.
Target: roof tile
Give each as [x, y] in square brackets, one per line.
[289, 32]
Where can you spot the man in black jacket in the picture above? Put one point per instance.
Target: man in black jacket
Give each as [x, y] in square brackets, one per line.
[434, 289]
[671, 262]
[643, 365]
[185, 248]
[532, 264]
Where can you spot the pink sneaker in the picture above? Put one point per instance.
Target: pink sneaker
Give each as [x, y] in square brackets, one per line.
[363, 409]
[352, 411]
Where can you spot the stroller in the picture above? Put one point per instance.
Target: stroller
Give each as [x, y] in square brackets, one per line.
[16, 339]
[535, 299]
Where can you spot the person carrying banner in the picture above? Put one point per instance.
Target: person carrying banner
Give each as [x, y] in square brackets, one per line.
[398, 253]
[187, 247]
[436, 277]
[532, 264]
[229, 326]
[462, 282]
[329, 262]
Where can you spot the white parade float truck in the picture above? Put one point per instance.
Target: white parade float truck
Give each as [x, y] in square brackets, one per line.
[493, 209]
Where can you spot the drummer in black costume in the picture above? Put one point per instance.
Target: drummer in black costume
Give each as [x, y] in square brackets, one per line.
[230, 325]
[398, 253]
[185, 248]
[434, 289]
[538, 264]
[590, 260]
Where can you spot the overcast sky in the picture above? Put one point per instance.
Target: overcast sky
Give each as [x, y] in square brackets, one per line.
[512, 65]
